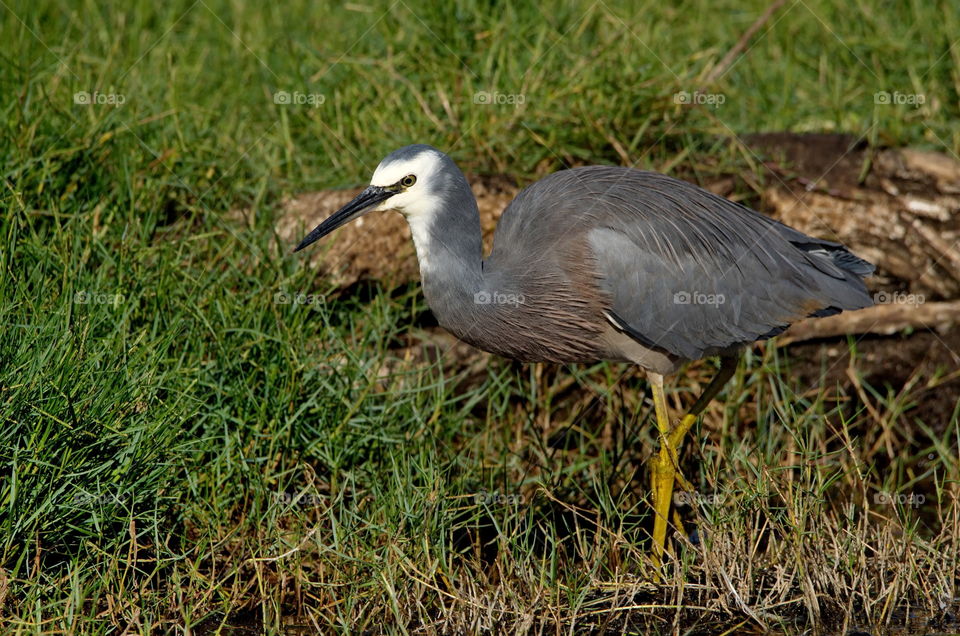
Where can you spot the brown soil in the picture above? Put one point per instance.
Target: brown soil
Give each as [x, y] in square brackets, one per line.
[891, 363]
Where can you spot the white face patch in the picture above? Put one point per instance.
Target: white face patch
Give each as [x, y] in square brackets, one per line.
[417, 200]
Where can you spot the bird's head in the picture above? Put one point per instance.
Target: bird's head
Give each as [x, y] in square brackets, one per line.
[412, 180]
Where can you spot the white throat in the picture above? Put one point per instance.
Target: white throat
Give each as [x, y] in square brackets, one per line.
[423, 240]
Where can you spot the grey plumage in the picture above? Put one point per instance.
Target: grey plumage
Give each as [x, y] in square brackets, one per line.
[687, 271]
[616, 263]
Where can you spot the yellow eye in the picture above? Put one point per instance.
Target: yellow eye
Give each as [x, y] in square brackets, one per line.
[408, 181]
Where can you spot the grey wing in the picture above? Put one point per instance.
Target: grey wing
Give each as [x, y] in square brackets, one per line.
[695, 274]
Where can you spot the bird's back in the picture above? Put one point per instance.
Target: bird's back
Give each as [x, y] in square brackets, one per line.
[677, 268]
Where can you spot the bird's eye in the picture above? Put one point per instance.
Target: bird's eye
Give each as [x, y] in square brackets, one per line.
[408, 181]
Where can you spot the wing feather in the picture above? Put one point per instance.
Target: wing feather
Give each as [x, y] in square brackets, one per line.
[684, 269]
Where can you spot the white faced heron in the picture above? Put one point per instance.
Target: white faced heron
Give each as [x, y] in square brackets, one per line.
[610, 263]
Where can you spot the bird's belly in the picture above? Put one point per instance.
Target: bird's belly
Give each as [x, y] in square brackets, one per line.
[543, 344]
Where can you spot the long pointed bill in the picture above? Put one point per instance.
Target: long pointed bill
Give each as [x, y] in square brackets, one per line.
[370, 197]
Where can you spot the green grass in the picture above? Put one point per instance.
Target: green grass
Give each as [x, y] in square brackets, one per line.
[160, 413]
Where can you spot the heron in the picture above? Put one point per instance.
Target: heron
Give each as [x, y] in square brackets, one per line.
[610, 263]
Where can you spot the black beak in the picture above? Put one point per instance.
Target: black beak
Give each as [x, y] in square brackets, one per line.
[367, 199]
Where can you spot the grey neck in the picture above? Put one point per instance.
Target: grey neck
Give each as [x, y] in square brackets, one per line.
[450, 252]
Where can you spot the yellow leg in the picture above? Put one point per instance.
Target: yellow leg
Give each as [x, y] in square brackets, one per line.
[664, 467]
[677, 434]
[662, 471]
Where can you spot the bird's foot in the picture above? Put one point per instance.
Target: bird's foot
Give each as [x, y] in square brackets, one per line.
[665, 472]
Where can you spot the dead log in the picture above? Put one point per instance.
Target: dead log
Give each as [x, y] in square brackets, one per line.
[886, 319]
